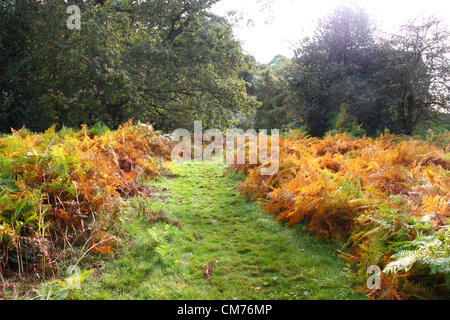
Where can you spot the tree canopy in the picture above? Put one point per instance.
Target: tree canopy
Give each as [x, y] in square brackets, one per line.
[167, 62]
[390, 83]
[170, 62]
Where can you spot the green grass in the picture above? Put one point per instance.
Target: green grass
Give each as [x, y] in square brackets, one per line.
[256, 257]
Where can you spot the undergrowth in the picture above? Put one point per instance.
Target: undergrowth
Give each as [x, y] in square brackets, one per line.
[386, 199]
[59, 191]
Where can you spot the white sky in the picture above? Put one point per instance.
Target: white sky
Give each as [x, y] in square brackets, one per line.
[278, 27]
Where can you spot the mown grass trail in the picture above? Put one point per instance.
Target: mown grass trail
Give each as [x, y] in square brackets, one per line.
[253, 257]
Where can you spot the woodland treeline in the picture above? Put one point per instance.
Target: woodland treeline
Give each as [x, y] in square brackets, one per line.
[166, 62]
[173, 62]
[349, 77]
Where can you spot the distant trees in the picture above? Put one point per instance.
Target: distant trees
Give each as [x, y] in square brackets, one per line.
[173, 62]
[167, 62]
[418, 73]
[272, 90]
[345, 67]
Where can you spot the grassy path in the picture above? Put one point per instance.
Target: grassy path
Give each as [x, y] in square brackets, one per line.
[248, 254]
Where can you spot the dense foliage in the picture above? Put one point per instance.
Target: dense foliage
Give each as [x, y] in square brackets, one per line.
[396, 83]
[166, 62]
[386, 199]
[278, 104]
[61, 189]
